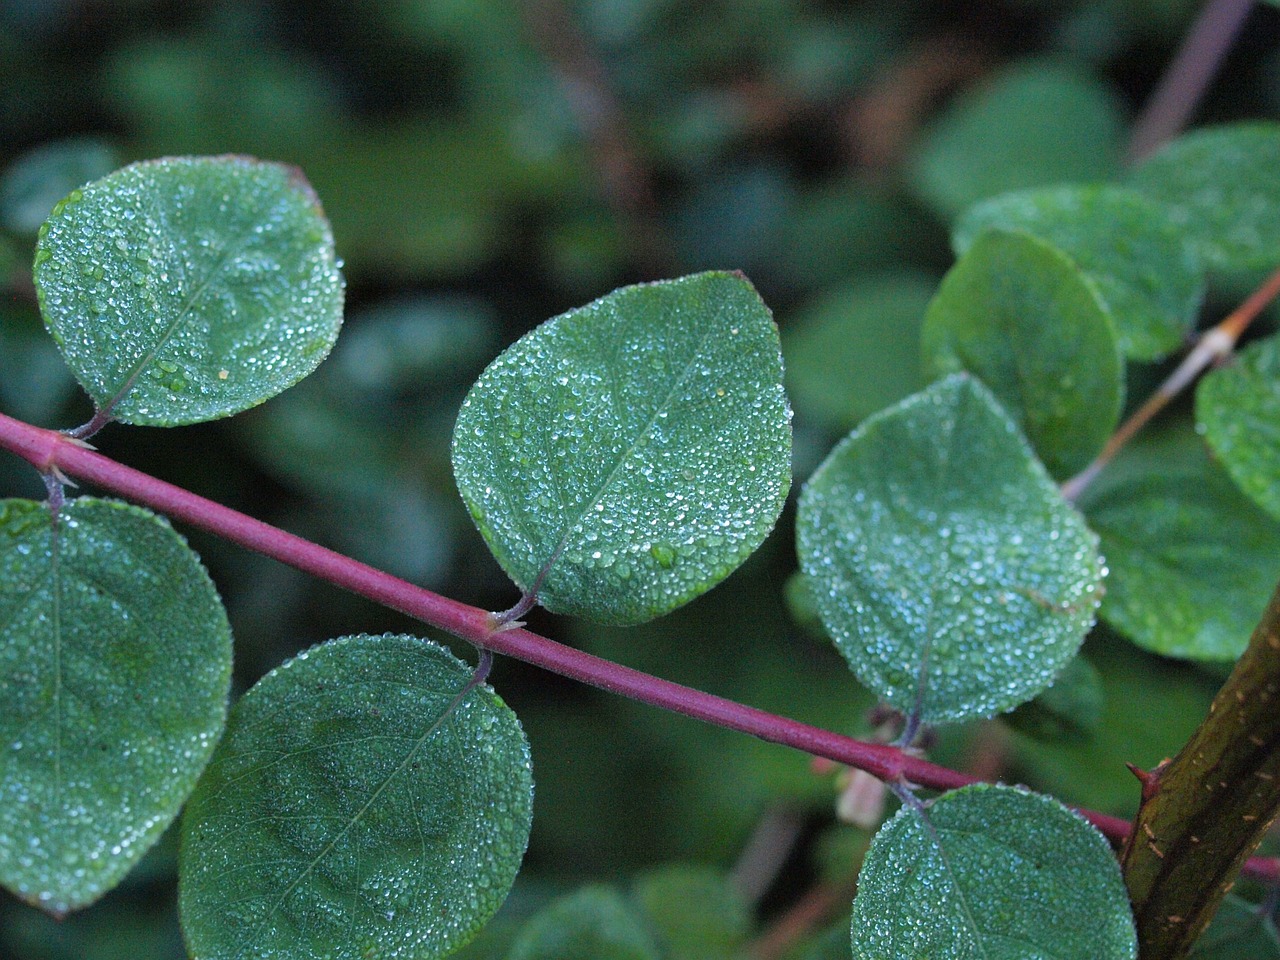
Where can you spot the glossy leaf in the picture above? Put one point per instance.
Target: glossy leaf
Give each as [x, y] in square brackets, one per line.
[627, 456]
[595, 923]
[1019, 314]
[1147, 278]
[1035, 124]
[190, 288]
[1238, 409]
[991, 871]
[944, 562]
[857, 350]
[1220, 188]
[363, 802]
[115, 662]
[1192, 560]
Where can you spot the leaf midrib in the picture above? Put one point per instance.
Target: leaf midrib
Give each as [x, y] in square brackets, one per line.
[233, 250]
[633, 445]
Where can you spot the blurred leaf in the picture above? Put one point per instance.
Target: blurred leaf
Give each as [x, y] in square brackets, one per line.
[1150, 706]
[412, 347]
[1238, 411]
[1146, 276]
[38, 179]
[694, 913]
[34, 380]
[365, 799]
[1192, 561]
[1036, 123]
[115, 663]
[187, 289]
[625, 457]
[842, 228]
[446, 188]
[728, 218]
[856, 350]
[1239, 931]
[1221, 191]
[1071, 709]
[971, 875]
[1019, 314]
[946, 566]
[595, 923]
[221, 88]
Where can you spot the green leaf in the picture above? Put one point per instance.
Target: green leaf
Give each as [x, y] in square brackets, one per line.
[1239, 931]
[1020, 315]
[41, 177]
[947, 567]
[1037, 123]
[1149, 281]
[991, 871]
[1238, 411]
[695, 913]
[1193, 562]
[595, 923]
[1220, 188]
[190, 288]
[1151, 706]
[115, 662]
[1071, 709]
[363, 802]
[857, 350]
[627, 456]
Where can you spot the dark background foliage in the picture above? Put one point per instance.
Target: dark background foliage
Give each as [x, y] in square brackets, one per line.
[488, 164]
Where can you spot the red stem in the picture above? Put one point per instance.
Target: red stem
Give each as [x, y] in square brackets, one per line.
[52, 452]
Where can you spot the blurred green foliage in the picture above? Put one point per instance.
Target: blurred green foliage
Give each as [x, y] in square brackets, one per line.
[488, 164]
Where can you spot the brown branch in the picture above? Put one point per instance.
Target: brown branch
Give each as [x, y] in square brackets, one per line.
[1204, 812]
[1188, 76]
[1214, 347]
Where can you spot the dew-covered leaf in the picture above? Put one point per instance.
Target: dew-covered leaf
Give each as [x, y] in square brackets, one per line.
[1193, 561]
[1238, 408]
[1019, 314]
[1034, 124]
[596, 923]
[991, 871]
[627, 456]
[944, 562]
[115, 662]
[856, 351]
[1220, 187]
[1147, 278]
[190, 288]
[363, 802]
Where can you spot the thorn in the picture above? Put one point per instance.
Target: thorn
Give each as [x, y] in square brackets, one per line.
[1150, 779]
[61, 477]
[508, 625]
[85, 444]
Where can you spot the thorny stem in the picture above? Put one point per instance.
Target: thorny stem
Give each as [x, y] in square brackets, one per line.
[1212, 348]
[49, 449]
[1188, 76]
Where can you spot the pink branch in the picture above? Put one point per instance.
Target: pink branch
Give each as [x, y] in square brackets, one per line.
[50, 451]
